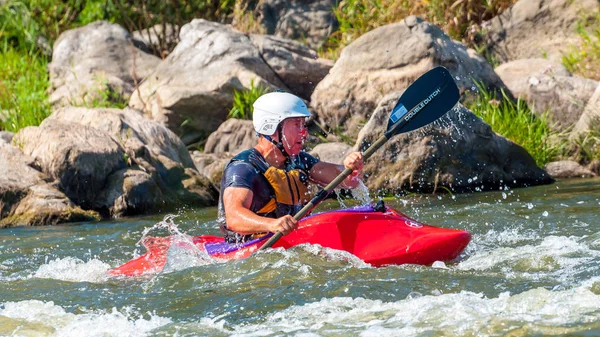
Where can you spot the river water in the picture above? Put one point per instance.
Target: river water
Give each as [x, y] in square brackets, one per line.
[532, 269]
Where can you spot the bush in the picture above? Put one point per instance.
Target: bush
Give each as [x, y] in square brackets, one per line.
[515, 121]
[584, 60]
[243, 100]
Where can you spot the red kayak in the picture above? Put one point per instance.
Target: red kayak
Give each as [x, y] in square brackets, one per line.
[378, 237]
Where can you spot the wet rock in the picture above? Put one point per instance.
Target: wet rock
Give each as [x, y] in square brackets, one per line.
[191, 91]
[594, 166]
[568, 169]
[331, 152]
[537, 28]
[27, 199]
[234, 135]
[96, 62]
[459, 152]
[548, 86]
[389, 59]
[311, 21]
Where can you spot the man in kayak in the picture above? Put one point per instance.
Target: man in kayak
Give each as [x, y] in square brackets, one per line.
[263, 187]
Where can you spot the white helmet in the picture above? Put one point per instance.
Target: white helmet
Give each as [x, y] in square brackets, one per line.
[272, 108]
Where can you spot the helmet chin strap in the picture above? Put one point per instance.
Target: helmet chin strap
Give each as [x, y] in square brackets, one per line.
[278, 144]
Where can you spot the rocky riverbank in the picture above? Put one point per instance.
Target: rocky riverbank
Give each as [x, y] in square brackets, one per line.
[91, 163]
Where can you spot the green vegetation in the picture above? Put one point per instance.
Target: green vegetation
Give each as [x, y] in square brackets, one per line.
[23, 84]
[243, 100]
[584, 60]
[356, 17]
[515, 121]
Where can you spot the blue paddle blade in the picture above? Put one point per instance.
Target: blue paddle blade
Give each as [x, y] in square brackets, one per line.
[427, 99]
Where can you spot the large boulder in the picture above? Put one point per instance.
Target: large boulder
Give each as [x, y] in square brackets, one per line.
[192, 90]
[212, 165]
[460, 152]
[115, 161]
[79, 158]
[389, 59]
[234, 135]
[97, 62]
[26, 199]
[548, 87]
[537, 28]
[311, 21]
[161, 171]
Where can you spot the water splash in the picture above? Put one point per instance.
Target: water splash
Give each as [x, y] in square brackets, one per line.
[361, 193]
[74, 270]
[182, 252]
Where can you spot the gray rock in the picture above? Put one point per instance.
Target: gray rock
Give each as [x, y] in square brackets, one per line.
[331, 152]
[234, 135]
[159, 163]
[158, 38]
[297, 66]
[389, 59]
[568, 169]
[80, 158]
[212, 165]
[26, 199]
[311, 21]
[547, 86]
[93, 59]
[537, 28]
[459, 152]
[590, 119]
[6, 136]
[192, 90]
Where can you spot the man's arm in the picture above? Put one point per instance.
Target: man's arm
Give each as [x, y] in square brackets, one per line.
[239, 218]
[323, 173]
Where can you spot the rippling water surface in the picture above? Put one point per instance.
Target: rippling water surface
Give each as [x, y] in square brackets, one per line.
[532, 269]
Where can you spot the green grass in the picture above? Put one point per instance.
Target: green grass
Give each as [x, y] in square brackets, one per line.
[23, 85]
[515, 121]
[243, 100]
[584, 60]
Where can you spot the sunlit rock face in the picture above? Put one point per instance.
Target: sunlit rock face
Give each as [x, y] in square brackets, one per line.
[568, 169]
[96, 59]
[459, 152]
[311, 21]
[537, 28]
[26, 197]
[234, 135]
[547, 86]
[191, 91]
[389, 59]
[115, 161]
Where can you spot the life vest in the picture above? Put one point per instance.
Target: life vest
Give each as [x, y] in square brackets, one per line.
[289, 189]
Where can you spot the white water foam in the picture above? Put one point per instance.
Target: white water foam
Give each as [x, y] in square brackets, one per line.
[555, 257]
[74, 270]
[458, 314]
[34, 317]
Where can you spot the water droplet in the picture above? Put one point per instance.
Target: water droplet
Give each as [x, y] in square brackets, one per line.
[545, 213]
[503, 195]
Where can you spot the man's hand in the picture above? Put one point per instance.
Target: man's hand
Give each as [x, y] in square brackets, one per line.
[285, 225]
[354, 161]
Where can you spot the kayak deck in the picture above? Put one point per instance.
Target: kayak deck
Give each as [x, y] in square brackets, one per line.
[385, 237]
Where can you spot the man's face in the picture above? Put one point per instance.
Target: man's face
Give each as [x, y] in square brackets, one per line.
[293, 135]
